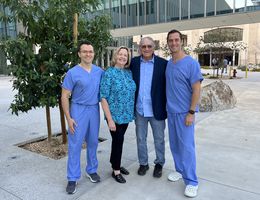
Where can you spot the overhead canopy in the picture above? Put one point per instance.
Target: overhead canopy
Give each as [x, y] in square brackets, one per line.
[191, 24]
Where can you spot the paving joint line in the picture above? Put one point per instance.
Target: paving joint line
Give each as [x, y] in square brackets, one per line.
[11, 193]
[230, 146]
[230, 186]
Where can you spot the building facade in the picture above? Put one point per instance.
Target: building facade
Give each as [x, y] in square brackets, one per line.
[133, 19]
[129, 13]
[250, 36]
[7, 30]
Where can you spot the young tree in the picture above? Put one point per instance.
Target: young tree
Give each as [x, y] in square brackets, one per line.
[48, 25]
[166, 51]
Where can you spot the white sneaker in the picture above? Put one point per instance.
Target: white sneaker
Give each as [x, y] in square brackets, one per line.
[174, 176]
[191, 191]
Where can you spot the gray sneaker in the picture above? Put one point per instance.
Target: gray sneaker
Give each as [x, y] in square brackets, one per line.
[71, 187]
[94, 178]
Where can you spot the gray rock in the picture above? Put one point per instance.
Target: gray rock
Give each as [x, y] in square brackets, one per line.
[217, 96]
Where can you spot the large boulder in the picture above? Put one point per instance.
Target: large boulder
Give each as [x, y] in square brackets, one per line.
[217, 96]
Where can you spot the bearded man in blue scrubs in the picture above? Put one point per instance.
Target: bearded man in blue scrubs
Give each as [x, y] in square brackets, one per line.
[183, 85]
[81, 84]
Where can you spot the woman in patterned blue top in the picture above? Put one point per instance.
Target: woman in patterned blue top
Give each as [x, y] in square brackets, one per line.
[117, 93]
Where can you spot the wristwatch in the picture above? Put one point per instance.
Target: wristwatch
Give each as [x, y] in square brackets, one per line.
[192, 112]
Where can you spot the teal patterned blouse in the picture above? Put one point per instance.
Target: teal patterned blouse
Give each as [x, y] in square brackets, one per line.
[118, 88]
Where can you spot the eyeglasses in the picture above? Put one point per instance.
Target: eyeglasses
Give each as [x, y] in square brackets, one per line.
[87, 52]
[146, 46]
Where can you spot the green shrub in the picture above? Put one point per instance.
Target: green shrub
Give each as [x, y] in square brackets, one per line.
[255, 70]
[205, 67]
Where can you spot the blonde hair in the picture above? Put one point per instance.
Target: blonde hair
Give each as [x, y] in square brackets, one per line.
[116, 52]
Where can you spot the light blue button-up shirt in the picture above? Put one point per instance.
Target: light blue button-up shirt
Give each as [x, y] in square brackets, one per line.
[144, 100]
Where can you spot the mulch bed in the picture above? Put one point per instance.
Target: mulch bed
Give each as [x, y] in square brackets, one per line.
[53, 149]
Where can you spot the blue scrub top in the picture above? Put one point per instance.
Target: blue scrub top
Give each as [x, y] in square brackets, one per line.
[118, 88]
[180, 77]
[84, 85]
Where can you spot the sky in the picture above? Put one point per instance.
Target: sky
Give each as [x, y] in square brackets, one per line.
[239, 3]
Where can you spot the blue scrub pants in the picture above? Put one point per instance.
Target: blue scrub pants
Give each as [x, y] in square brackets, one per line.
[182, 144]
[87, 119]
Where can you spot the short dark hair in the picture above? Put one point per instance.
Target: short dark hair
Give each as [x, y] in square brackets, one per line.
[82, 43]
[173, 31]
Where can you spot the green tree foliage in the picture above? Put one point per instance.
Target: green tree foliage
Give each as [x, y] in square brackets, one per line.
[48, 25]
[166, 51]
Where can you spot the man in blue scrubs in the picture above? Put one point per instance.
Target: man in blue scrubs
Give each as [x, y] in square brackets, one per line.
[81, 84]
[183, 85]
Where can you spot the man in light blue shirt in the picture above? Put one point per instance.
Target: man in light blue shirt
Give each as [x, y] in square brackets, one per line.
[150, 99]
[144, 100]
[225, 64]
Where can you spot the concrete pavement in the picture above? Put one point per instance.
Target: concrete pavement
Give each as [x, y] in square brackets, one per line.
[228, 155]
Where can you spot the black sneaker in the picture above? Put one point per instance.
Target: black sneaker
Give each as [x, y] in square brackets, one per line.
[71, 187]
[157, 172]
[142, 170]
[94, 178]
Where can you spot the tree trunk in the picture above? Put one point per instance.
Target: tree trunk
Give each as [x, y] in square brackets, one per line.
[48, 118]
[63, 124]
[75, 29]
